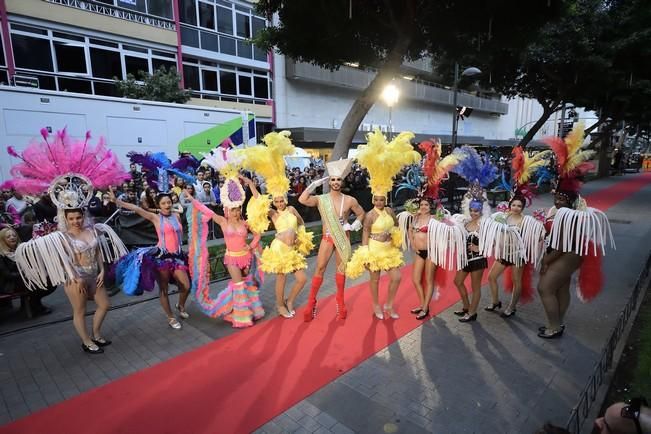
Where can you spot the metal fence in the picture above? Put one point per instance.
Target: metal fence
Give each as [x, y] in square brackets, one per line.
[580, 412]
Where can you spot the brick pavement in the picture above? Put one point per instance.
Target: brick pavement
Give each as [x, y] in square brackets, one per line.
[494, 375]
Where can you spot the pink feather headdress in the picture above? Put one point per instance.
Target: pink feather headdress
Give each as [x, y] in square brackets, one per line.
[42, 162]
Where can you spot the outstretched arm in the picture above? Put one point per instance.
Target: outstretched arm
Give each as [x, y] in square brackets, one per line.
[306, 198]
[132, 207]
[249, 183]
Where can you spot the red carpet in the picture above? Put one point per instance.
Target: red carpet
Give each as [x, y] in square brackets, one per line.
[236, 384]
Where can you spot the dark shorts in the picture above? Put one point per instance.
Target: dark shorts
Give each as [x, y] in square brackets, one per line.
[476, 264]
[505, 262]
[422, 253]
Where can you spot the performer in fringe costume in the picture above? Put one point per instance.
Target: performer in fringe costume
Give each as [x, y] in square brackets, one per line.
[286, 254]
[166, 262]
[479, 175]
[381, 238]
[334, 208]
[240, 302]
[438, 244]
[515, 239]
[69, 170]
[576, 237]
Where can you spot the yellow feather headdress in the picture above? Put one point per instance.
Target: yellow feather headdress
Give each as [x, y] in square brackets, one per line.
[384, 160]
[268, 161]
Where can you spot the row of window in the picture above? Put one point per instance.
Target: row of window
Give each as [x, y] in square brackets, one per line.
[220, 16]
[212, 78]
[221, 44]
[46, 50]
[160, 8]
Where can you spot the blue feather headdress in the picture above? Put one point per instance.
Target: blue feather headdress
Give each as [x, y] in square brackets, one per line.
[157, 168]
[477, 172]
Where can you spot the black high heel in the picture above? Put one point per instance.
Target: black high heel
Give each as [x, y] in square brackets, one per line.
[468, 318]
[91, 350]
[461, 312]
[493, 306]
[423, 314]
[543, 328]
[416, 310]
[557, 334]
[507, 315]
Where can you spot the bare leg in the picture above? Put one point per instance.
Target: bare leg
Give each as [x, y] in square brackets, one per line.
[430, 269]
[78, 303]
[461, 287]
[280, 296]
[300, 280]
[183, 283]
[475, 282]
[163, 285]
[394, 282]
[517, 288]
[496, 271]
[373, 284]
[416, 278]
[564, 300]
[552, 282]
[102, 302]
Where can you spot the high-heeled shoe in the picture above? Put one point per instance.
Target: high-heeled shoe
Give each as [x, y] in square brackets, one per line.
[416, 310]
[557, 334]
[544, 328]
[393, 314]
[310, 311]
[507, 313]
[468, 318]
[423, 314]
[92, 348]
[461, 312]
[286, 314]
[493, 306]
[291, 311]
[378, 312]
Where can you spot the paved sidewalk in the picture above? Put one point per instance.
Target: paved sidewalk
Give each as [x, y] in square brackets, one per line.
[493, 375]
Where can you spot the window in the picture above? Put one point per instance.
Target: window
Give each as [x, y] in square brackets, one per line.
[2, 53]
[227, 82]
[259, 54]
[189, 37]
[160, 8]
[71, 57]
[243, 25]
[32, 53]
[106, 89]
[258, 24]
[224, 20]
[46, 82]
[244, 49]
[191, 77]
[207, 16]
[167, 64]
[209, 80]
[227, 45]
[188, 12]
[261, 88]
[136, 5]
[244, 82]
[105, 63]
[137, 66]
[210, 41]
[73, 85]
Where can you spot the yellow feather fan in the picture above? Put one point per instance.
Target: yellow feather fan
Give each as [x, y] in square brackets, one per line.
[268, 161]
[383, 159]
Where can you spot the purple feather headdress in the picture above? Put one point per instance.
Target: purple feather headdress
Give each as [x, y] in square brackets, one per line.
[157, 168]
[477, 172]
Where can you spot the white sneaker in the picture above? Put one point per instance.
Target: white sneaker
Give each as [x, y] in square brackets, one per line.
[182, 313]
[172, 322]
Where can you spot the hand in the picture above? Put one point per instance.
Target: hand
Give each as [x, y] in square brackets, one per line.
[100, 280]
[474, 249]
[357, 225]
[111, 194]
[315, 184]
[78, 285]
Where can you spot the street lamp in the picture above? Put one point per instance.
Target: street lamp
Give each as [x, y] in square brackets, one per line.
[390, 96]
[468, 72]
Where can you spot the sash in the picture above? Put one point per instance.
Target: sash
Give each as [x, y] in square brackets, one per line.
[331, 222]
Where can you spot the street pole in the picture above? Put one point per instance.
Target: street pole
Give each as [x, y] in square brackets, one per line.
[560, 130]
[390, 125]
[455, 118]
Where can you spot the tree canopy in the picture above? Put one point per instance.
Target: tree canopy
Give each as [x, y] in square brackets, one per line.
[384, 33]
[163, 86]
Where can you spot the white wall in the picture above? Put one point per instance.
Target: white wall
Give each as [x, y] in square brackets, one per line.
[127, 125]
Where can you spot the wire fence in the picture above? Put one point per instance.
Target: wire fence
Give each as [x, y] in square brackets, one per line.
[581, 410]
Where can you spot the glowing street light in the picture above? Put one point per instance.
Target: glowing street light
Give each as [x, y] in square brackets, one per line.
[390, 96]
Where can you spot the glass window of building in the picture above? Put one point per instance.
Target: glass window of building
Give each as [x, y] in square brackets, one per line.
[210, 41]
[156, 64]
[227, 83]
[257, 25]
[191, 77]
[136, 5]
[227, 45]
[244, 83]
[2, 52]
[32, 53]
[137, 66]
[225, 20]
[105, 63]
[188, 12]
[207, 16]
[71, 57]
[261, 87]
[243, 25]
[209, 80]
[161, 8]
[189, 37]
[74, 85]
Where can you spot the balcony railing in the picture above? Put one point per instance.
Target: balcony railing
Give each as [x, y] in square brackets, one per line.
[353, 78]
[116, 12]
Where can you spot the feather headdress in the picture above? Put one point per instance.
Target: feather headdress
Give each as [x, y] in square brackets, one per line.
[571, 160]
[522, 169]
[43, 162]
[435, 168]
[268, 161]
[477, 172]
[157, 167]
[384, 160]
[227, 162]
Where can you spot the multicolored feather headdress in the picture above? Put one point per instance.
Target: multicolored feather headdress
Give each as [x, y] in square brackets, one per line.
[384, 160]
[227, 162]
[572, 161]
[522, 169]
[477, 172]
[69, 169]
[157, 168]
